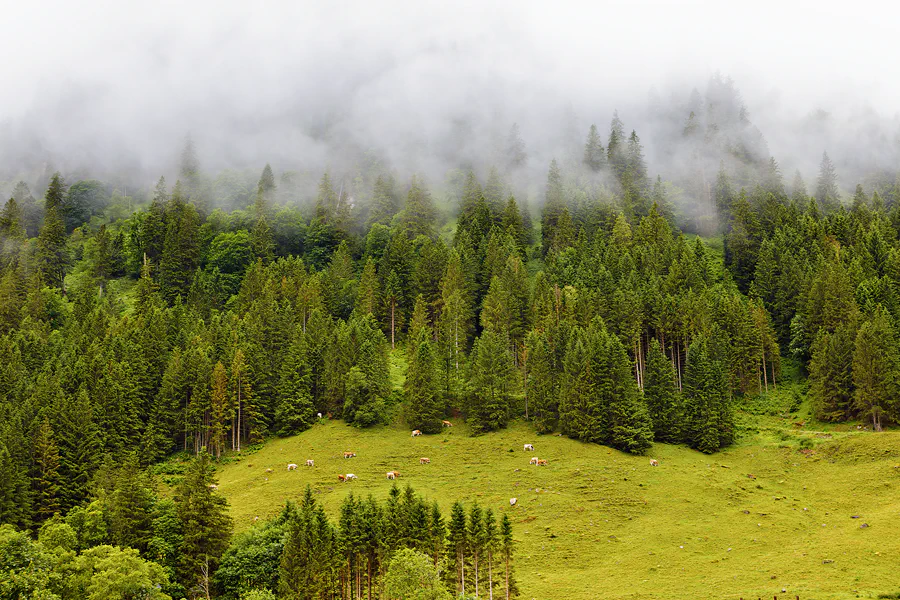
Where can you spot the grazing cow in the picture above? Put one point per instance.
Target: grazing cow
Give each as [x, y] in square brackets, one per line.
[310, 463]
[255, 519]
[654, 462]
[349, 454]
[529, 447]
[446, 424]
[291, 466]
[424, 461]
[393, 474]
[213, 486]
[533, 461]
[319, 415]
[542, 463]
[512, 501]
[270, 470]
[342, 477]
[416, 433]
[350, 476]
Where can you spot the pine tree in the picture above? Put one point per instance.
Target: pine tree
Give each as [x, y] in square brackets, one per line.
[629, 423]
[491, 382]
[422, 393]
[458, 545]
[616, 153]
[295, 411]
[384, 201]
[554, 207]
[542, 389]
[594, 153]
[45, 477]
[662, 396]
[206, 526]
[219, 409]
[79, 447]
[507, 548]
[827, 193]
[130, 505]
[242, 398]
[180, 255]
[368, 297]
[419, 213]
[708, 419]
[52, 256]
[476, 535]
[876, 370]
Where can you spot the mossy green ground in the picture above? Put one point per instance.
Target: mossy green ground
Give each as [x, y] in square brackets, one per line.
[597, 523]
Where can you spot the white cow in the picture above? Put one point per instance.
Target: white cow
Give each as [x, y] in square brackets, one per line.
[529, 447]
[309, 462]
[349, 476]
[512, 501]
[291, 466]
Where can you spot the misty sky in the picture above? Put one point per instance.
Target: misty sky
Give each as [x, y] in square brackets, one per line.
[121, 81]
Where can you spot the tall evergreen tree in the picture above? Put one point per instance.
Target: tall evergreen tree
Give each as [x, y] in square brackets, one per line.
[594, 153]
[206, 526]
[827, 193]
[422, 392]
[662, 396]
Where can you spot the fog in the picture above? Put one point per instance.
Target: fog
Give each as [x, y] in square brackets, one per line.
[104, 88]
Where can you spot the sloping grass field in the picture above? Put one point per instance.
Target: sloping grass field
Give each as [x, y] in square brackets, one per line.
[814, 513]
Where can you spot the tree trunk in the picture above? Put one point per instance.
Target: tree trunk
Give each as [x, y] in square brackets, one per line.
[765, 374]
[507, 577]
[393, 302]
[491, 575]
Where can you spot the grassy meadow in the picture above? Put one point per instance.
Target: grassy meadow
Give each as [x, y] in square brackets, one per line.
[774, 512]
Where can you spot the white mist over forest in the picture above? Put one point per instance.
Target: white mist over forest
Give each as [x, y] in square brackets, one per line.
[110, 90]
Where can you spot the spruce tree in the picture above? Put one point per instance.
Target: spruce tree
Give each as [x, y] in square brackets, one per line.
[130, 505]
[594, 153]
[458, 545]
[827, 193]
[206, 526]
[708, 418]
[52, 255]
[662, 396]
[630, 427]
[45, 477]
[507, 548]
[295, 411]
[422, 393]
[490, 383]
[219, 409]
[876, 371]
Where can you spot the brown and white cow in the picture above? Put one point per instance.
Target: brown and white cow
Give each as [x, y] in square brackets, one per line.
[291, 466]
[350, 476]
[310, 462]
[542, 463]
[534, 460]
[393, 474]
[424, 461]
[416, 433]
[446, 424]
[654, 462]
[349, 454]
[269, 470]
[342, 477]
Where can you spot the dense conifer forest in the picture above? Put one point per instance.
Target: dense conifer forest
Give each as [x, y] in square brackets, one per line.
[202, 316]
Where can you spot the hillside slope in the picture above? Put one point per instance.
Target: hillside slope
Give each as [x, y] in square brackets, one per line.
[597, 523]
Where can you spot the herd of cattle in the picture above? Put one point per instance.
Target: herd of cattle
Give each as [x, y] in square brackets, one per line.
[540, 462]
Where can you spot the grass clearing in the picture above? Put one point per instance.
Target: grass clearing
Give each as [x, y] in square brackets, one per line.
[597, 523]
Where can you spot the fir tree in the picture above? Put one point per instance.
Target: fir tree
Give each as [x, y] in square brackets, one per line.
[594, 153]
[662, 396]
[827, 193]
[491, 382]
[295, 411]
[206, 526]
[876, 371]
[45, 478]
